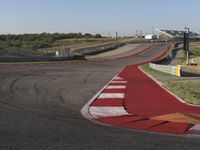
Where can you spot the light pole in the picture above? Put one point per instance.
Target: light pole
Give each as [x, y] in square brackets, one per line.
[116, 38]
[187, 43]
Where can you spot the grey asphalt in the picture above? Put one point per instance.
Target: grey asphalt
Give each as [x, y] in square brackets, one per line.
[40, 109]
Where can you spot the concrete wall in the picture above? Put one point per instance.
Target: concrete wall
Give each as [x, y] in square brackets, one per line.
[38, 59]
[173, 70]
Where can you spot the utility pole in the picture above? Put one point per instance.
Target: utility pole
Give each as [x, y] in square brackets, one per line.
[187, 43]
[116, 38]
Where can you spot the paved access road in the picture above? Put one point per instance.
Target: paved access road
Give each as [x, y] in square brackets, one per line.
[40, 109]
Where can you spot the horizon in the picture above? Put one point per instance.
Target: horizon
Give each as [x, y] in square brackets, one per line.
[97, 17]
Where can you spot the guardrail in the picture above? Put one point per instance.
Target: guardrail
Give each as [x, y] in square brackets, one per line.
[173, 70]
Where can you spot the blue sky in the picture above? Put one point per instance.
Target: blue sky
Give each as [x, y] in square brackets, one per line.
[97, 16]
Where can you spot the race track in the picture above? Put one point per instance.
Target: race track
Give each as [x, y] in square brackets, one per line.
[40, 108]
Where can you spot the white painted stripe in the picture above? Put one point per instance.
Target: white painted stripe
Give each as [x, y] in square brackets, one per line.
[119, 82]
[118, 78]
[116, 87]
[85, 110]
[195, 130]
[99, 112]
[111, 95]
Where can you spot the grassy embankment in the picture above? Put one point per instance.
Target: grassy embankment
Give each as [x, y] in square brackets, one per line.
[195, 49]
[47, 44]
[76, 45]
[187, 90]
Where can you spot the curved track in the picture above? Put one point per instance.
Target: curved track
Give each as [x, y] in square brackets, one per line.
[40, 108]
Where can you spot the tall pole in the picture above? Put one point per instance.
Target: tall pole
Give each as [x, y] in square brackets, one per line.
[187, 46]
[116, 38]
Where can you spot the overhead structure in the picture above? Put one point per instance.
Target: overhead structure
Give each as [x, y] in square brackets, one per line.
[179, 34]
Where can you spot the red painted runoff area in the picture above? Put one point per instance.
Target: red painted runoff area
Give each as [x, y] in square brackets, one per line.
[146, 98]
[140, 103]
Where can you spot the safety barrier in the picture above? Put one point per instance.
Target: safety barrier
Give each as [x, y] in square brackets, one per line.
[173, 70]
[40, 58]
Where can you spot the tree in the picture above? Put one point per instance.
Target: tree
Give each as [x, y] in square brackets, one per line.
[98, 36]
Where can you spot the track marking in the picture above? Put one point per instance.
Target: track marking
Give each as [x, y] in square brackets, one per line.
[119, 82]
[118, 78]
[99, 112]
[116, 87]
[195, 130]
[111, 95]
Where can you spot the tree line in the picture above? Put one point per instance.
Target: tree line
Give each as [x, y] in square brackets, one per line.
[35, 41]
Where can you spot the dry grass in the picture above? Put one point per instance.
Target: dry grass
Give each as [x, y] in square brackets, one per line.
[81, 43]
[192, 68]
[187, 90]
[85, 43]
[195, 48]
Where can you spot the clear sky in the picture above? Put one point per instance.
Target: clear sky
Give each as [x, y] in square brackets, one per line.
[97, 16]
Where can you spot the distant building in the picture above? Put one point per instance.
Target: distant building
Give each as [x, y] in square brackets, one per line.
[179, 34]
[151, 37]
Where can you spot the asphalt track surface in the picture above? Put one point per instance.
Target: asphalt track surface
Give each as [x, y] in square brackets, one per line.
[40, 108]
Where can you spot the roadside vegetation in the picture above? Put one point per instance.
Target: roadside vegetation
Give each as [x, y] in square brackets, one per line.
[28, 44]
[35, 41]
[195, 48]
[47, 44]
[187, 90]
[76, 45]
